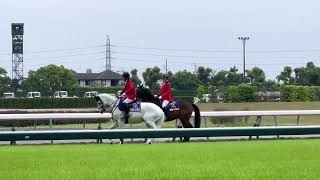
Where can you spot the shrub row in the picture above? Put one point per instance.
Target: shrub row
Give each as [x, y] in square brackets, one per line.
[299, 93]
[240, 93]
[51, 103]
[47, 103]
[79, 91]
[185, 98]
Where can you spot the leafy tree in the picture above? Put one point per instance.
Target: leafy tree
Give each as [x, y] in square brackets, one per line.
[134, 77]
[16, 87]
[200, 91]
[233, 78]
[183, 80]
[285, 76]
[231, 94]
[309, 75]
[49, 79]
[220, 78]
[204, 75]
[226, 78]
[257, 75]
[269, 85]
[151, 77]
[233, 69]
[246, 93]
[4, 81]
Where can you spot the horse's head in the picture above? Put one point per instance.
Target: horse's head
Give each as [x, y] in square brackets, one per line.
[144, 94]
[104, 101]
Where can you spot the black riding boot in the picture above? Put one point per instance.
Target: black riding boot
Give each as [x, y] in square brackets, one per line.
[126, 114]
[165, 110]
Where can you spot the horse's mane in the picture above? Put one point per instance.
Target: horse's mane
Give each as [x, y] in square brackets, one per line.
[148, 93]
[145, 95]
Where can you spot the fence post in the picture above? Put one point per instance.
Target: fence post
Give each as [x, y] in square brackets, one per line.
[275, 120]
[50, 125]
[99, 141]
[84, 124]
[276, 123]
[13, 129]
[298, 119]
[34, 124]
[206, 124]
[132, 138]
[257, 124]
[259, 118]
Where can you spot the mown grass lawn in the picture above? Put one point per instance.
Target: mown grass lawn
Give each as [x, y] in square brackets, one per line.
[282, 159]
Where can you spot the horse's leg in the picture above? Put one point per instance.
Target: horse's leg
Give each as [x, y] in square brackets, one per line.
[186, 124]
[114, 125]
[151, 125]
[121, 125]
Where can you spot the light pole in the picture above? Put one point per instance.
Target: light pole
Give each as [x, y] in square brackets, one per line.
[244, 39]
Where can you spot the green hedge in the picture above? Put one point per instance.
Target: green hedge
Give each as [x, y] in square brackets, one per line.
[185, 98]
[240, 93]
[299, 93]
[47, 103]
[183, 93]
[80, 91]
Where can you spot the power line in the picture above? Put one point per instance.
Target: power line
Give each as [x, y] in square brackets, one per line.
[203, 57]
[169, 55]
[58, 50]
[209, 63]
[217, 51]
[72, 55]
[166, 49]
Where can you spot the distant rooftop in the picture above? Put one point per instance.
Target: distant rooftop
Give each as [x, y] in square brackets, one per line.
[104, 75]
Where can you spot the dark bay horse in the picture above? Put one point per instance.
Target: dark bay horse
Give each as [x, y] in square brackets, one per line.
[184, 113]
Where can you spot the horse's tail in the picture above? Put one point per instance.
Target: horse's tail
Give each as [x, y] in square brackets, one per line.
[197, 117]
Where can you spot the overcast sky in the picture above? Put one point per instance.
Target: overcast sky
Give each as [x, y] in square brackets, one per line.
[285, 32]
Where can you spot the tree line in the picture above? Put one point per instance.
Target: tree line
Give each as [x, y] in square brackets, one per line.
[51, 78]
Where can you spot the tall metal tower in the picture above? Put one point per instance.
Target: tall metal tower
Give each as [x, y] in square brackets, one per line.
[17, 30]
[244, 39]
[108, 54]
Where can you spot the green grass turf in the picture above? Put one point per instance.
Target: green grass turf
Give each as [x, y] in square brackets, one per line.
[282, 159]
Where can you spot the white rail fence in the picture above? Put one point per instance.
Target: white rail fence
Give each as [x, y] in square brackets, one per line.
[107, 116]
[205, 115]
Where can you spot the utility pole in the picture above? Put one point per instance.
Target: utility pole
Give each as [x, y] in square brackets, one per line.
[108, 54]
[166, 66]
[244, 39]
[195, 68]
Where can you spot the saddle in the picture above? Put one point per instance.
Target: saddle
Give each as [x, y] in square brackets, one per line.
[134, 106]
[172, 106]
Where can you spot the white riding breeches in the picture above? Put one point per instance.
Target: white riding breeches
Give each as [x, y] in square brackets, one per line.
[165, 103]
[128, 101]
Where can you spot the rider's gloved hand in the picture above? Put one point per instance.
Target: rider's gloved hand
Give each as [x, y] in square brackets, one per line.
[118, 93]
[160, 97]
[123, 95]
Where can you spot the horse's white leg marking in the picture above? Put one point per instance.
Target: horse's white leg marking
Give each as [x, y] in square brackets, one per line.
[151, 125]
[114, 125]
[121, 125]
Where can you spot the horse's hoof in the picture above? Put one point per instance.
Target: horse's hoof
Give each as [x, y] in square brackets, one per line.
[186, 140]
[149, 142]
